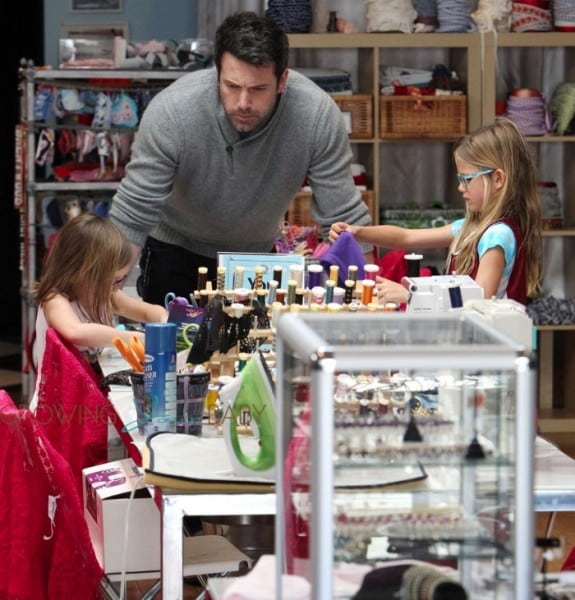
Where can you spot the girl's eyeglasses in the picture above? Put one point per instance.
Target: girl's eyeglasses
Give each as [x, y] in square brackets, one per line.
[465, 178]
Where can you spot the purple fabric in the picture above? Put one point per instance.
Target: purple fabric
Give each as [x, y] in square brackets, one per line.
[345, 251]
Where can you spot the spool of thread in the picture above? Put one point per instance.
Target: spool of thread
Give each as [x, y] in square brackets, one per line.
[258, 277]
[202, 278]
[455, 297]
[413, 264]
[292, 285]
[241, 296]
[221, 279]
[370, 271]
[238, 281]
[348, 291]
[242, 360]
[261, 296]
[276, 313]
[352, 272]
[272, 287]
[334, 273]
[299, 293]
[281, 294]
[329, 287]
[317, 294]
[277, 274]
[338, 294]
[203, 298]
[314, 276]
[296, 274]
[367, 291]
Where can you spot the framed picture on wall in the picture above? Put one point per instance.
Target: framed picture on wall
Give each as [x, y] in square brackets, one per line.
[96, 5]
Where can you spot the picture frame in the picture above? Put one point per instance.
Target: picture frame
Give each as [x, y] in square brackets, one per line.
[96, 5]
[250, 260]
[94, 30]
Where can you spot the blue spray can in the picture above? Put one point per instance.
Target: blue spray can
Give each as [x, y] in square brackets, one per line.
[160, 378]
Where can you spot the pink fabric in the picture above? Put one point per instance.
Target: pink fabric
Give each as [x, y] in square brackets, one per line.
[72, 411]
[297, 479]
[41, 560]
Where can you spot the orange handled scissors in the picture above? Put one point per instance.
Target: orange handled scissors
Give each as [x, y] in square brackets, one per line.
[132, 352]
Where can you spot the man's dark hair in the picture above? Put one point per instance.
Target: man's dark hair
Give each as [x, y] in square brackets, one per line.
[253, 39]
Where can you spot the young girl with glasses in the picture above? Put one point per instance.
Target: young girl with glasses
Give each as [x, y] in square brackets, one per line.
[80, 290]
[498, 243]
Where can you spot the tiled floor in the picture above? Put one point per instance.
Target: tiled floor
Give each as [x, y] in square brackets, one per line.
[563, 524]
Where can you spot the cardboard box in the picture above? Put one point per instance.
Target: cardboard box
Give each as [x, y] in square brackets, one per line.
[107, 491]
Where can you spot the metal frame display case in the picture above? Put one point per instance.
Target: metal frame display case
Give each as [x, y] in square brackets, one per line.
[405, 437]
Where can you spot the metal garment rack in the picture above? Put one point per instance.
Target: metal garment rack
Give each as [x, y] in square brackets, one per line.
[28, 186]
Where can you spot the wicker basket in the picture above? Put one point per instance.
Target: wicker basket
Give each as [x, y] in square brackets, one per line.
[299, 212]
[422, 117]
[358, 109]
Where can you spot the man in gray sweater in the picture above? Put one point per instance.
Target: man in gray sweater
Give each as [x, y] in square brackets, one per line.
[221, 153]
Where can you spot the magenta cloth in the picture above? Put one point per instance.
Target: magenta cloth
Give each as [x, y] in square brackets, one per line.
[345, 251]
[44, 558]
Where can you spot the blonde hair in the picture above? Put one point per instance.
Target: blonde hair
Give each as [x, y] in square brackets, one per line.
[501, 145]
[81, 265]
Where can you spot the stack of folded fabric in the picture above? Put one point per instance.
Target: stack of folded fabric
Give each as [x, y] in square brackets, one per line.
[531, 15]
[332, 81]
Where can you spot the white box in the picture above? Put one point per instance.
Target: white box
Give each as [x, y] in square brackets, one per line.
[107, 491]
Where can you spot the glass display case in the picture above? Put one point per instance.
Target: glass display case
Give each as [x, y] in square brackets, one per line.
[407, 437]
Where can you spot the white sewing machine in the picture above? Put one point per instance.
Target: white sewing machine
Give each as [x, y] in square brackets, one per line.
[508, 317]
[439, 293]
[448, 292]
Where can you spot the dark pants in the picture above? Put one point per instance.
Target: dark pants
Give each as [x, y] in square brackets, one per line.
[167, 268]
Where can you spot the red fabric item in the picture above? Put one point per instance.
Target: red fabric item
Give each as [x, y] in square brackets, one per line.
[517, 285]
[41, 560]
[392, 266]
[72, 410]
[569, 563]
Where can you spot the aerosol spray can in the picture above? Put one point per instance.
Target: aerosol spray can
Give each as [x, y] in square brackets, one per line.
[160, 378]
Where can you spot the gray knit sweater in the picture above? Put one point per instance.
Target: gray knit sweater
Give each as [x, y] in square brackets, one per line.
[193, 182]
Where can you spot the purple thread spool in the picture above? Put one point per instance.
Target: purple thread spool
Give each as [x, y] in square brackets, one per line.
[314, 276]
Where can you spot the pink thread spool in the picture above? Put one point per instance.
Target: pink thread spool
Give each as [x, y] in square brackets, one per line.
[370, 271]
[317, 294]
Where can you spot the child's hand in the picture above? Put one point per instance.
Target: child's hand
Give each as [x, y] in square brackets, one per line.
[338, 227]
[390, 291]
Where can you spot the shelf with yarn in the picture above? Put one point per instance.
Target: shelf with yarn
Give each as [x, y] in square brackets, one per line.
[477, 59]
[551, 56]
[365, 53]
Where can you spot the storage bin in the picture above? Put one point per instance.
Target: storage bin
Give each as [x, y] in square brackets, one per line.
[358, 112]
[422, 116]
[299, 212]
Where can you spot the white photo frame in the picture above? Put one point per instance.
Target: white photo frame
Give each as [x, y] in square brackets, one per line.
[96, 5]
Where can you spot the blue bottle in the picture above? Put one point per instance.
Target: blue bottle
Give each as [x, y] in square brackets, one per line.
[160, 378]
